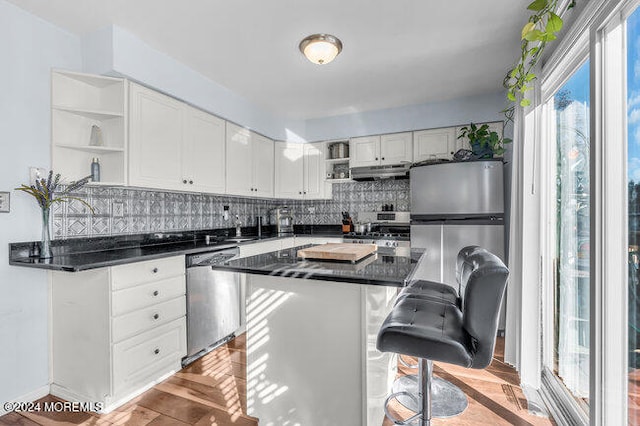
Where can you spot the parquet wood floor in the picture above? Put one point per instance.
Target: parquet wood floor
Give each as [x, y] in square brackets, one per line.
[212, 392]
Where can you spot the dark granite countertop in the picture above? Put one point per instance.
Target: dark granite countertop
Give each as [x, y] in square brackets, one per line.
[390, 267]
[80, 254]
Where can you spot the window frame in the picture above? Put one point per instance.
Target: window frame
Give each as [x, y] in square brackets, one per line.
[599, 32]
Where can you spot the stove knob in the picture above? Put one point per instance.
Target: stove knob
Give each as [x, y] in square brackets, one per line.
[395, 244]
[389, 244]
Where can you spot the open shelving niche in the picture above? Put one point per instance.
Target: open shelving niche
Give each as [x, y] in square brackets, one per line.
[78, 102]
[332, 162]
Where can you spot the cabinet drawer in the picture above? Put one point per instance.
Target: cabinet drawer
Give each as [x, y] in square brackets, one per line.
[145, 319]
[124, 276]
[146, 295]
[144, 358]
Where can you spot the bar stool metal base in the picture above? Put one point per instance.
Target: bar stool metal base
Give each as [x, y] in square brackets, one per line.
[447, 400]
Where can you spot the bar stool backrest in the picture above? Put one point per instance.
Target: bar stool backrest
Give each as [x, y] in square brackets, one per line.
[464, 268]
[483, 282]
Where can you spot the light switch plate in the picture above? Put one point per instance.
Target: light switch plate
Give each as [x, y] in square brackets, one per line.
[5, 202]
[36, 173]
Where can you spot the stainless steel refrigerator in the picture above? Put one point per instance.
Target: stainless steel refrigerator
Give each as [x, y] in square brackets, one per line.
[454, 205]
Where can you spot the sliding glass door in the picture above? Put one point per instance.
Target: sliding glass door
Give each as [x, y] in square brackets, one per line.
[571, 202]
[633, 231]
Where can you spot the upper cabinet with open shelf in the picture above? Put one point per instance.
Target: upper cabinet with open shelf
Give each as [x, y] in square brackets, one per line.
[89, 120]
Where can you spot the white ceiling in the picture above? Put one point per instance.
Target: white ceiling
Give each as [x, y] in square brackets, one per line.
[396, 52]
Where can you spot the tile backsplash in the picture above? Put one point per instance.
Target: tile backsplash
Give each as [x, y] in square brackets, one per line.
[119, 210]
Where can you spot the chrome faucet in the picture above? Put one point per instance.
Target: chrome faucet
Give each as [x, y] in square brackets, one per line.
[238, 227]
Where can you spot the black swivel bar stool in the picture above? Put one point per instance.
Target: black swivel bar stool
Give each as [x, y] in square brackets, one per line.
[461, 333]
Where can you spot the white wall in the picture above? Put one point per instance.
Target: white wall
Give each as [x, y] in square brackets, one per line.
[30, 47]
[479, 108]
[118, 52]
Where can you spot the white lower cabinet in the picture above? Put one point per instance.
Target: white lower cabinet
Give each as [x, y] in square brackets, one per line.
[117, 331]
[331, 326]
[260, 247]
[301, 241]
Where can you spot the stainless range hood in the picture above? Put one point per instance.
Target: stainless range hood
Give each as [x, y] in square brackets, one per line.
[399, 171]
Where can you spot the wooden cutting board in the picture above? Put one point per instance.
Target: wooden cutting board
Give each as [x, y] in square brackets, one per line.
[338, 251]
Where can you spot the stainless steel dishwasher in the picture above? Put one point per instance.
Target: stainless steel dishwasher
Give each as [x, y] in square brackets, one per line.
[213, 302]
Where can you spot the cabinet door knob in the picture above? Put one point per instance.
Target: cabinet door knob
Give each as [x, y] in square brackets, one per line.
[156, 351]
[190, 182]
[376, 158]
[383, 158]
[304, 192]
[154, 270]
[300, 192]
[156, 316]
[155, 293]
[184, 181]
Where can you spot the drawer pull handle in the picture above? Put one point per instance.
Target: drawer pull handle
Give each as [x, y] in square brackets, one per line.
[155, 293]
[156, 351]
[154, 270]
[156, 316]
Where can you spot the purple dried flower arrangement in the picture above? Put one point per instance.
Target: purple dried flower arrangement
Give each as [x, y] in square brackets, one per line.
[47, 192]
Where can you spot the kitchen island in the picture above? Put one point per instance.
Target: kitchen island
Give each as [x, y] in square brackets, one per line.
[311, 336]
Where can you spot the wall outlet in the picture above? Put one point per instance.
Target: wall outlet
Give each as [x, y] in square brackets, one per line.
[5, 202]
[36, 173]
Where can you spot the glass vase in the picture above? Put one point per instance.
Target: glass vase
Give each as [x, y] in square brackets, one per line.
[45, 242]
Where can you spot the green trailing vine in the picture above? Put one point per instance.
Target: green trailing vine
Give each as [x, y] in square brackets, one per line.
[542, 27]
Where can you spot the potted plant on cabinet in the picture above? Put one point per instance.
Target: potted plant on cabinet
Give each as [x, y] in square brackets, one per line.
[484, 143]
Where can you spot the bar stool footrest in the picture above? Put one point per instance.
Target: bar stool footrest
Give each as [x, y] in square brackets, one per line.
[396, 395]
[447, 400]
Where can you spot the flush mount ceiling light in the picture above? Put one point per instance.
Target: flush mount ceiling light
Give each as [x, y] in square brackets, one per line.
[321, 48]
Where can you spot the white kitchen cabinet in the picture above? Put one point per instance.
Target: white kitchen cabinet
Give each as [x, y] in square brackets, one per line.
[239, 156]
[364, 151]
[117, 331]
[381, 150]
[262, 165]
[463, 143]
[316, 319]
[396, 148]
[289, 170]
[250, 163]
[204, 152]
[260, 247]
[304, 240]
[156, 132]
[299, 171]
[80, 103]
[173, 145]
[314, 171]
[434, 144]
